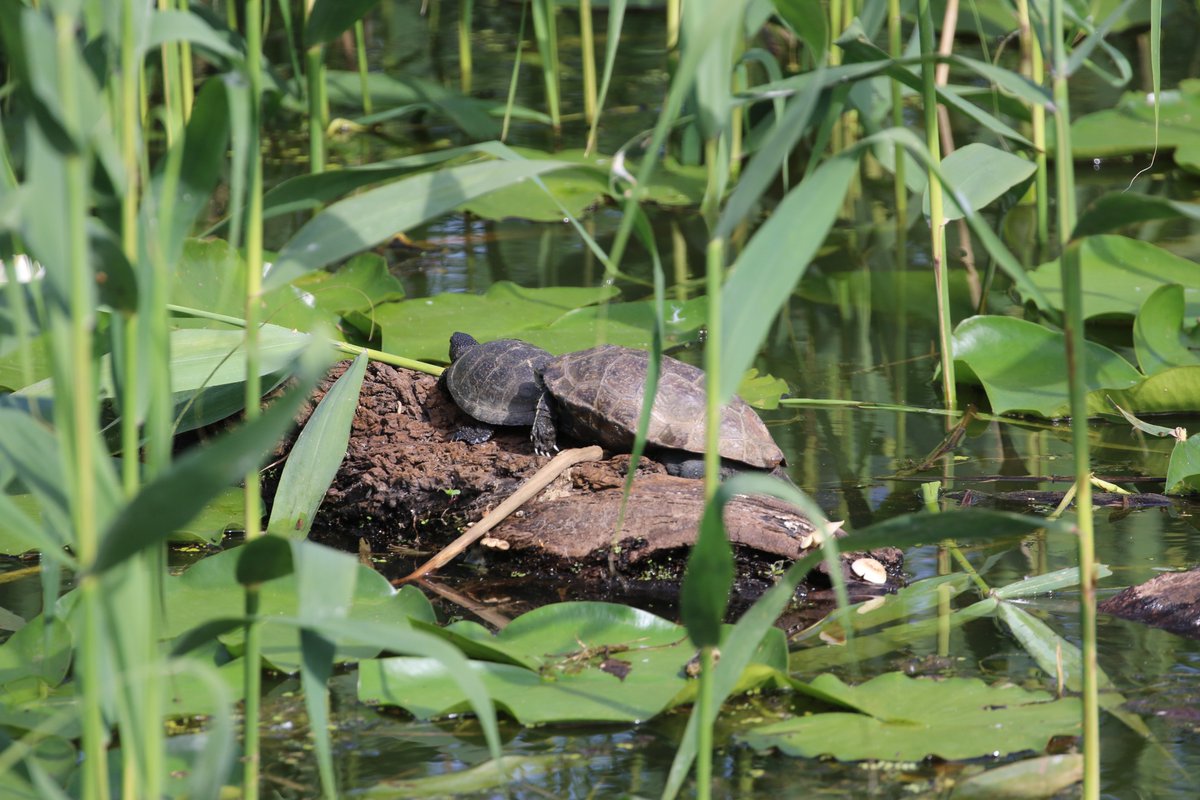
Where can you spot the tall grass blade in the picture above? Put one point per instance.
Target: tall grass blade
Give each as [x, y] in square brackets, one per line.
[545, 30]
[1072, 284]
[616, 21]
[314, 459]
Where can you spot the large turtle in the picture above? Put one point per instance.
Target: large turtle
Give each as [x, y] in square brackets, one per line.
[596, 396]
[497, 383]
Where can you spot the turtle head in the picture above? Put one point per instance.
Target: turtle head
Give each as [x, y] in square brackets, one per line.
[461, 343]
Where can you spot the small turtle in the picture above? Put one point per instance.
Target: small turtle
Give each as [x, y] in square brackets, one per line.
[596, 396]
[497, 383]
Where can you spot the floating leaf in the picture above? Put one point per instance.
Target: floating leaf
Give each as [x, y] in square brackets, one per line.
[1119, 274]
[1173, 390]
[1120, 209]
[209, 591]
[568, 643]
[362, 283]
[908, 719]
[1157, 332]
[1130, 128]
[1021, 365]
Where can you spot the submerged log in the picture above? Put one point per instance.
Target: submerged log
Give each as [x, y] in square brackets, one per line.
[405, 482]
[1170, 601]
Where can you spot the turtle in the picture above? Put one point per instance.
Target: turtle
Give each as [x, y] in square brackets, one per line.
[496, 383]
[596, 396]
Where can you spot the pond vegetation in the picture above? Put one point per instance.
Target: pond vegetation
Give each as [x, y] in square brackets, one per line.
[868, 219]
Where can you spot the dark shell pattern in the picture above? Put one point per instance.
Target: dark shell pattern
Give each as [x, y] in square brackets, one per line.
[599, 397]
[498, 382]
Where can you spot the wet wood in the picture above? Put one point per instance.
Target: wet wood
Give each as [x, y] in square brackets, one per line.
[1170, 601]
[404, 484]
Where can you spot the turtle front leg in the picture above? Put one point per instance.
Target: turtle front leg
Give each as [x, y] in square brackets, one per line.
[545, 438]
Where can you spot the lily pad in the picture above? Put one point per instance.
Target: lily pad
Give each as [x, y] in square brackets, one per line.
[362, 283]
[907, 719]
[567, 662]
[1158, 337]
[1128, 128]
[1021, 366]
[559, 319]
[1119, 274]
[209, 590]
[1172, 390]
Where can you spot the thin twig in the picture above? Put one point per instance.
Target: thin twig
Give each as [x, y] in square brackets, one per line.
[540, 480]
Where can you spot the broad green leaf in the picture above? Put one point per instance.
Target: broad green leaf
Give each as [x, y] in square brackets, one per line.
[1173, 390]
[1129, 127]
[773, 262]
[890, 639]
[1183, 471]
[704, 593]
[981, 174]
[1118, 275]
[1045, 583]
[184, 26]
[329, 18]
[208, 593]
[1158, 336]
[365, 220]
[571, 650]
[326, 580]
[912, 529]
[315, 457]
[173, 498]
[808, 22]
[361, 285]
[1120, 209]
[32, 449]
[421, 327]
[1021, 365]
[909, 719]
[761, 391]
[211, 276]
[35, 659]
[225, 512]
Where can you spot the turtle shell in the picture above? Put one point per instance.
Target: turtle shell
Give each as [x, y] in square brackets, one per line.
[498, 382]
[598, 393]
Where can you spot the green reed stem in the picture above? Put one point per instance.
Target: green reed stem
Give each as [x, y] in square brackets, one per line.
[314, 69]
[78, 420]
[130, 136]
[587, 38]
[172, 84]
[715, 272]
[545, 29]
[1031, 58]
[253, 497]
[360, 48]
[936, 210]
[186, 76]
[896, 50]
[466, 12]
[1072, 281]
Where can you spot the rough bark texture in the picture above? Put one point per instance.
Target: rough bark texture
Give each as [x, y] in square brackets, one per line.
[1170, 601]
[405, 485]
